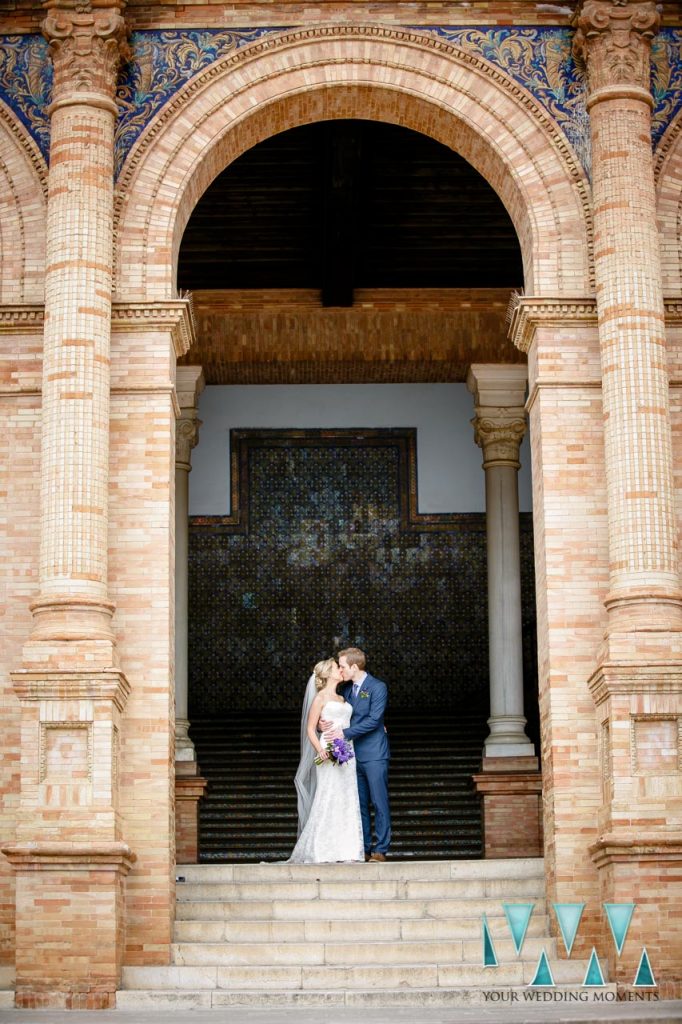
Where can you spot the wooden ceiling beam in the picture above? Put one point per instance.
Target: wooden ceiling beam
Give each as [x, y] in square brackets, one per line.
[340, 219]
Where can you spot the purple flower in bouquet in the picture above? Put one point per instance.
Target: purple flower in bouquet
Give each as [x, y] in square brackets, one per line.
[339, 751]
[342, 751]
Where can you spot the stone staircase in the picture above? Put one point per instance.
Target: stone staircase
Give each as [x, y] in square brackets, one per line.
[248, 813]
[393, 934]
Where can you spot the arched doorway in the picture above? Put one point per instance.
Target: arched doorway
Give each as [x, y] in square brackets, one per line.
[401, 77]
[325, 256]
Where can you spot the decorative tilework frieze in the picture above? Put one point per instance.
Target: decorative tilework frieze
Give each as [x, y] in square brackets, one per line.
[162, 62]
[540, 60]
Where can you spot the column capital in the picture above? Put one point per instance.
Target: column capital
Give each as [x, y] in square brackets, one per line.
[613, 39]
[87, 42]
[500, 422]
[189, 384]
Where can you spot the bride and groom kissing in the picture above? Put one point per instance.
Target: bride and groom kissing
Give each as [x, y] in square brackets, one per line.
[334, 822]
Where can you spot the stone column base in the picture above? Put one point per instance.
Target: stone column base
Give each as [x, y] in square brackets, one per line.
[511, 791]
[644, 869]
[189, 789]
[70, 923]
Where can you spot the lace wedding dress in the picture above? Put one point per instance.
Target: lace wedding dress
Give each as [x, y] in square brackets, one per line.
[333, 831]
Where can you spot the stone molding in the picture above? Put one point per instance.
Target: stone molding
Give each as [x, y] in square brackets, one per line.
[527, 313]
[87, 42]
[42, 856]
[613, 849]
[176, 315]
[613, 39]
[618, 679]
[38, 685]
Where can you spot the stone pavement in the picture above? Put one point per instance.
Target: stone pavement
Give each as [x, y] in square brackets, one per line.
[661, 1012]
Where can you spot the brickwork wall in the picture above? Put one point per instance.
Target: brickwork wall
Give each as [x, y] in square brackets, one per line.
[25, 15]
[571, 559]
[227, 111]
[20, 370]
[141, 560]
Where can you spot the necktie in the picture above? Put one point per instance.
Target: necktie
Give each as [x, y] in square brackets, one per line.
[356, 690]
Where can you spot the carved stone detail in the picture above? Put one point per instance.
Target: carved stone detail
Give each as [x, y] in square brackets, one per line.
[613, 38]
[87, 42]
[499, 435]
[186, 438]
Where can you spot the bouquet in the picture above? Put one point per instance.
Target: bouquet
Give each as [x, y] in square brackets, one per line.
[340, 752]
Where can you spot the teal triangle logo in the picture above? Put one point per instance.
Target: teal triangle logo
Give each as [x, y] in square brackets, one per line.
[619, 916]
[645, 976]
[568, 916]
[593, 975]
[543, 973]
[518, 916]
[489, 955]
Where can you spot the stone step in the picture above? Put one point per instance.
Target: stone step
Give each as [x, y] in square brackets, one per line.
[344, 909]
[366, 929]
[220, 853]
[359, 977]
[363, 888]
[350, 954]
[512, 868]
[398, 997]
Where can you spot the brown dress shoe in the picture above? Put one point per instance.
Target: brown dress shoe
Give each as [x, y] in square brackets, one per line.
[378, 856]
[367, 857]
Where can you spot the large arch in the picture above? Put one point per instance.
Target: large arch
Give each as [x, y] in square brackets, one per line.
[23, 209]
[380, 74]
[668, 169]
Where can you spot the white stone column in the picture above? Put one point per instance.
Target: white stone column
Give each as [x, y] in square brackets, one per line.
[499, 426]
[189, 385]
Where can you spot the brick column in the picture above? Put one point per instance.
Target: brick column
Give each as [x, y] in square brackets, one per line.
[638, 682]
[68, 851]
[614, 39]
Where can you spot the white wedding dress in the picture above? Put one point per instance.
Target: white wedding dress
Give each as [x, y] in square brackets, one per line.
[333, 831]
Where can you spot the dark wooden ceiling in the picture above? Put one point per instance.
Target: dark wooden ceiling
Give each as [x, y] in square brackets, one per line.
[342, 205]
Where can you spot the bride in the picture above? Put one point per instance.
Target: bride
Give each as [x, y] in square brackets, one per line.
[329, 823]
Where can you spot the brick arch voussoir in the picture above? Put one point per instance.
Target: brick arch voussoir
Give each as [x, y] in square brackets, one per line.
[23, 206]
[668, 170]
[300, 78]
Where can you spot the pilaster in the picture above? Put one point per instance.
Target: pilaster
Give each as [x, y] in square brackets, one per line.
[189, 385]
[70, 685]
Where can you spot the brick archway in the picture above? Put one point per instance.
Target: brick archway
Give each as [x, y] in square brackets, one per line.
[345, 72]
[23, 205]
[668, 168]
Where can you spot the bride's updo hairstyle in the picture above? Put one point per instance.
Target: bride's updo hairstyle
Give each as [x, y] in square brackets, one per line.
[322, 672]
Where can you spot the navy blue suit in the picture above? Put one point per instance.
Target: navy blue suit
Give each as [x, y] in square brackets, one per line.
[372, 754]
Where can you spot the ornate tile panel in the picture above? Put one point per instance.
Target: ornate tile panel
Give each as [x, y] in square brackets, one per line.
[537, 58]
[325, 554]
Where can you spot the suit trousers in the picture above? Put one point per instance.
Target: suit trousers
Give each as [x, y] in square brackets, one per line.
[373, 788]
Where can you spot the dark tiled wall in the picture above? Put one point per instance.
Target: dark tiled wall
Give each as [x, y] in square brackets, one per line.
[325, 563]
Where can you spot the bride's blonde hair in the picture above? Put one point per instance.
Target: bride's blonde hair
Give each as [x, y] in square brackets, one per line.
[322, 671]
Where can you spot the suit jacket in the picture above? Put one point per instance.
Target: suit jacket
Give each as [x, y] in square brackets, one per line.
[366, 728]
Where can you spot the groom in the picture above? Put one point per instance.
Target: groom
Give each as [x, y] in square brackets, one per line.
[368, 697]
